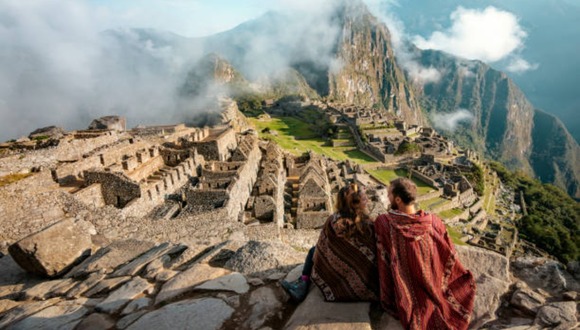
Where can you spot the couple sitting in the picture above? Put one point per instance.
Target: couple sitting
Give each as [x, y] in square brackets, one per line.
[404, 259]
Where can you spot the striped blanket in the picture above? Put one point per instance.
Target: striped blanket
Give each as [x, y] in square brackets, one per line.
[422, 281]
[345, 268]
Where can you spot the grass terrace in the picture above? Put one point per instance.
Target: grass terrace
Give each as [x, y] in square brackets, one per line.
[386, 176]
[432, 203]
[449, 214]
[297, 137]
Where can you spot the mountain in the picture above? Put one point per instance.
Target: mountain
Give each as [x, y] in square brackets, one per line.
[345, 54]
[505, 125]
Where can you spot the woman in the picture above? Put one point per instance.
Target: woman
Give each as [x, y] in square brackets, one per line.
[343, 263]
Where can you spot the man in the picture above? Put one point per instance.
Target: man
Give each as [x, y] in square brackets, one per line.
[422, 281]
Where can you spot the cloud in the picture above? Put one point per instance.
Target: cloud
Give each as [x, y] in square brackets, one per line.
[519, 65]
[488, 35]
[405, 56]
[450, 121]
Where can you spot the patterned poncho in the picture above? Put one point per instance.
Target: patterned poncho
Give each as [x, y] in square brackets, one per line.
[345, 267]
[422, 281]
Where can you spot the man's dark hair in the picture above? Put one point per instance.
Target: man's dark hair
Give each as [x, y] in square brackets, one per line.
[405, 189]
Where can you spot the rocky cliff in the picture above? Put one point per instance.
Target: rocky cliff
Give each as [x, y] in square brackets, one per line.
[505, 125]
[369, 74]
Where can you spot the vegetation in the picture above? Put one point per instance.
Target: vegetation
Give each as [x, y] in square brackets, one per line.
[386, 176]
[455, 236]
[449, 214]
[408, 148]
[297, 137]
[552, 218]
[11, 178]
[41, 138]
[477, 178]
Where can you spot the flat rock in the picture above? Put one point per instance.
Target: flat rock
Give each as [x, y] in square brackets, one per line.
[545, 274]
[20, 312]
[85, 285]
[492, 277]
[527, 300]
[187, 280]
[54, 250]
[107, 259]
[42, 290]
[135, 266]
[315, 313]
[7, 304]
[129, 319]
[165, 275]
[120, 297]
[53, 317]
[96, 321]
[206, 313]
[264, 258]
[156, 266]
[64, 287]
[265, 304]
[232, 282]
[554, 314]
[136, 305]
[107, 285]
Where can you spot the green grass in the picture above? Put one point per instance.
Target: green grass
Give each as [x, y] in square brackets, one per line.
[297, 137]
[433, 202]
[449, 214]
[386, 176]
[455, 236]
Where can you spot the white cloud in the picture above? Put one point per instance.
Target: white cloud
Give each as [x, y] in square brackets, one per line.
[488, 35]
[405, 57]
[519, 65]
[449, 121]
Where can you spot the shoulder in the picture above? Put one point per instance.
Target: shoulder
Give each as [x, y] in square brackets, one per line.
[381, 222]
[438, 224]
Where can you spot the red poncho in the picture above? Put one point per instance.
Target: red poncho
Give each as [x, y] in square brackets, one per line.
[421, 279]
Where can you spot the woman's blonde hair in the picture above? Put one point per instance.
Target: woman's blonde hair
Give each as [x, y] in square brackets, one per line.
[350, 207]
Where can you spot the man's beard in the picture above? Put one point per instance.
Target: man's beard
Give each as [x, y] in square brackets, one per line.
[394, 207]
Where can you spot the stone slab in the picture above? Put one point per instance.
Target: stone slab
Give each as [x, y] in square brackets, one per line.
[85, 285]
[54, 250]
[54, 317]
[129, 319]
[20, 312]
[120, 297]
[136, 305]
[265, 304]
[315, 313]
[7, 304]
[107, 259]
[135, 266]
[96, 321]
[232, 282]
[43, 290]
[206, 313]
[187, 280]
[106, 286]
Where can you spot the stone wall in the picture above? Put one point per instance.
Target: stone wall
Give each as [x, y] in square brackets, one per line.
[217, 146]
[116, 188]
[420, 176]
[91, 195]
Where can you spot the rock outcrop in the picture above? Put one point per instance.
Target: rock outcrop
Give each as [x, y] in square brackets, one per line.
[55, 249]
[116, 123]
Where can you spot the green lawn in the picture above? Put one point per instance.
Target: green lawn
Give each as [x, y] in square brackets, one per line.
[431, 203]
[386, 176]
[451, 213]
[297, 137]
[455, 236]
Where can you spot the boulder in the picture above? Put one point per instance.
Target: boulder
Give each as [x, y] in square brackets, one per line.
[54, 250]
[263, 258]
[64, 317]
[116, 123]
[490, 270]
[545, 274]
[557, 313]
[49, 132]
[316, 314]
[527, 300]
[205, 313]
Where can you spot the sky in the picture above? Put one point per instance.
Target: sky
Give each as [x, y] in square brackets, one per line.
[57, 69]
